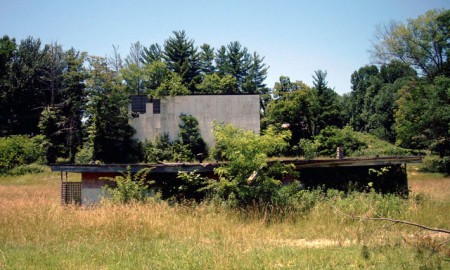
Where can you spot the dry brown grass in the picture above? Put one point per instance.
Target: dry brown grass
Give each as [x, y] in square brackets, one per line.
[33, 223]
[433, 185]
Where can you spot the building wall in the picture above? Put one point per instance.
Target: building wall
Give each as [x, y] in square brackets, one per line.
[241, 111]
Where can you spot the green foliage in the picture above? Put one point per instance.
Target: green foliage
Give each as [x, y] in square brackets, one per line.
[423, 117]
[20, 150]
[434, 164]
[248, 69]
[191, 138]
[190, 145]
[328, 110]
[421, 43]
[295, 107]
[109, 130]
[182, 58]
[162, 149]
[214, 84]
[130, 187]
[190, 185]
[377, 147]
[245, 179]
[172, 86]
[330, 138]
[85, 155]
[159, 150]
[309, 148]
[32, 168]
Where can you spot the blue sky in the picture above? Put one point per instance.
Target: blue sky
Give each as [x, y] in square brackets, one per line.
[295, 37]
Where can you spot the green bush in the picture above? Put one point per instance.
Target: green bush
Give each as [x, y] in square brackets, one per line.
[164, 150]
[309, 148]
[20, 150]
[331, 137]
[246, 179]
[28, 169]
[436, 164]
[130, 187]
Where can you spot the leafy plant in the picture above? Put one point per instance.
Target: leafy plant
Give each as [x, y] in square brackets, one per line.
[28, 169]
[309, 148]
[20, 150]
[245, 179]
[191, 186]
[130, 187]
[330, 138]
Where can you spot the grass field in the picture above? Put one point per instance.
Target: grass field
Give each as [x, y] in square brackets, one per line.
[36, 232]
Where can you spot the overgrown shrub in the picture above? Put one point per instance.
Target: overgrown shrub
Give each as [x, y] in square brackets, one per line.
[130, 187]
[190, 137]
[190, 145]
[28, 169]
[309, 148]
[85, 155]
[331, 137]
[436, 164]
[162, 149]
[190, 186]
[246, 178]
[20, 150]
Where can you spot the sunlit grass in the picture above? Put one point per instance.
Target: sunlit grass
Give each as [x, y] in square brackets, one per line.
[36, 232]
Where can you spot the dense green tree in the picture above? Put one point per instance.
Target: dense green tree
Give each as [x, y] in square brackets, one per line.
[73, 101]
[172, 86]
[190, 136]
[152, 53]
[181, 57]
[234, 60]
[294, 110]
[257, 74]
[154, 75]
[60, 122]
[8, 50]
[361, 80]
[207, 59]
[423, 43]
[328, 110]
[423, 116]
[285, 86]
[27, 92]
[107, 113]
[214, 84]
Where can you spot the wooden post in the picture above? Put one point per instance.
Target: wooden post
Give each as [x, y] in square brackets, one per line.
[339, 153]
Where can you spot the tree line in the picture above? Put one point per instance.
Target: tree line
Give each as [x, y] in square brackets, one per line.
[79, 101]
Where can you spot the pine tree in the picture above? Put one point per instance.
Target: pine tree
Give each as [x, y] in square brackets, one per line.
[182, 58]
[151, 54]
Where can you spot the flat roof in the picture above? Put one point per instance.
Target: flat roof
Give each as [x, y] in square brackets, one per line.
[209, 167]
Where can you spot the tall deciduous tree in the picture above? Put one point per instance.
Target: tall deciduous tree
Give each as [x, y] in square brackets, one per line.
[423, 43]
[27, 92]
[107, 112]
[8, 50]
[295, 109]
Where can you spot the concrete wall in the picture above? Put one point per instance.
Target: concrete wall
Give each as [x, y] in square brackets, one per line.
[241, 111]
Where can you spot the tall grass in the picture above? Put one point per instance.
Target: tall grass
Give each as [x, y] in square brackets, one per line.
[36, 232]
